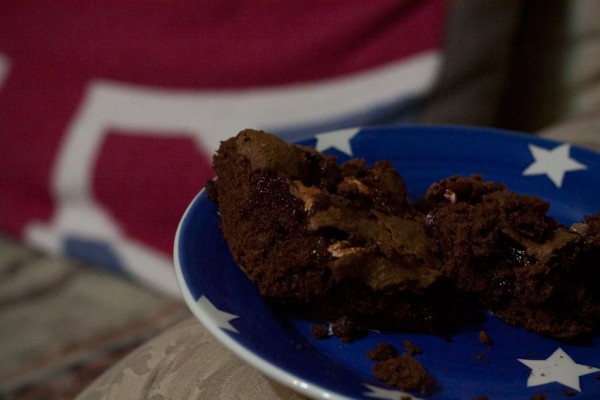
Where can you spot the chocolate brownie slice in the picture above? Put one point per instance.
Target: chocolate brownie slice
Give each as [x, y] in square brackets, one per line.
[328, 240]
[523, 265]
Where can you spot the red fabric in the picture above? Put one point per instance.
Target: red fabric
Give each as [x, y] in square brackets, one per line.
[118, 166]
[54, 49]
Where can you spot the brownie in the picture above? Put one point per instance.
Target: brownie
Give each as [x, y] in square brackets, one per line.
[328, 240]
[343, 242]
[523, 265]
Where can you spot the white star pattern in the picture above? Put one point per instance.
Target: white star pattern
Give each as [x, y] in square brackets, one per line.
[379, 393]
[339, 139]
[218, 317]
[559, 367]
[554, 163]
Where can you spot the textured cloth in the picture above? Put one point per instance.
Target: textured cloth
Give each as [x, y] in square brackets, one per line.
[63, 324]
[555, 73]
[185, 362]
[583, 130]
[110, 111]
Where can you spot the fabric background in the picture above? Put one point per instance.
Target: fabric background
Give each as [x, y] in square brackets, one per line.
[63, 324]
[110, 111]
[185, 363]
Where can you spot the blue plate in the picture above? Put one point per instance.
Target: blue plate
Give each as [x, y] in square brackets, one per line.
[518, 365]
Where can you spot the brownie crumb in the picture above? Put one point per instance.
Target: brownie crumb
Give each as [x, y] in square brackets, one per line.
[320, 331]
[405, 372]
[382, 352]
[346, 330]
[411, 348]
[484, 338]
[481, 398]
[406, 398]
[539, 397]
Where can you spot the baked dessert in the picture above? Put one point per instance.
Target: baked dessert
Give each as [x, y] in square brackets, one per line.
[343, 241]
[521, 264]
[329, 240]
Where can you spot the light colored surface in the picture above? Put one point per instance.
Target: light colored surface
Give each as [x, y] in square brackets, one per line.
[583, 131]
[185, 362]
